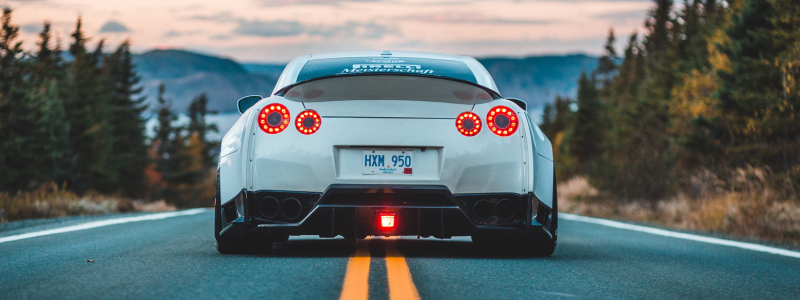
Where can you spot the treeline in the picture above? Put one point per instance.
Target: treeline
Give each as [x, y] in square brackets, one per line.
[711, 87]
[74, 117]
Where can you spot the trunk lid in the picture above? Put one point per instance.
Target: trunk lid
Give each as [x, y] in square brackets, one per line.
[388, 109]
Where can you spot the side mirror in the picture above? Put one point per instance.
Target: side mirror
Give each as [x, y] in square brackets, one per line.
[519, 102]
[246, 102]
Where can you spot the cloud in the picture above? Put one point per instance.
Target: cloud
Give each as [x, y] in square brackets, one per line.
[269, 28]
[291, 28]
[222, 17]
[173, 33]
[469, 18]
[32, 27]
[624, 15]
[221, 37]
[307, 2]
[354, 29]
[498, 47]
[114, 26]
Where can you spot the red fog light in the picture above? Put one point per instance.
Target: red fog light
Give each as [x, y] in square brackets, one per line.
[502, 120]
[387, 221]
[468, 123]
[308, 122]
[273, 118]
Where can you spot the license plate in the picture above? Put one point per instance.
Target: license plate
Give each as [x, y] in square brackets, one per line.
[387, 162]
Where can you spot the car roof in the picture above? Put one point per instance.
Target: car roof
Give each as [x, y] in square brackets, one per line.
[394, 53]
[292, 70]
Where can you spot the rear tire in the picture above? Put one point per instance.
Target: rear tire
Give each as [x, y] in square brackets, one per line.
[236, 245]
[279, 238]
[542, 248]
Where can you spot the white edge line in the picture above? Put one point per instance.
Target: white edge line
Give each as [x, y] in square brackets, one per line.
[679, 235]
[90, 225]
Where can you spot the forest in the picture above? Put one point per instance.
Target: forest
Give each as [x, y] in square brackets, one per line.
[73, 133]
[697, 125]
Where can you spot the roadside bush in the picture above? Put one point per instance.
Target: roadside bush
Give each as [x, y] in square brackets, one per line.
[747, 204]
[51, 200]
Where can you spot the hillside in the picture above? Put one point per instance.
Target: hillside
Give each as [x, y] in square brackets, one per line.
[537, 79]
[187, 75]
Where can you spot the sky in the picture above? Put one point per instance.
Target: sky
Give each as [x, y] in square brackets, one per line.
[275, 31]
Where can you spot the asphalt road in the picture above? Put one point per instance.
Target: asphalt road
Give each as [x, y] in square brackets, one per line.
[175, 258]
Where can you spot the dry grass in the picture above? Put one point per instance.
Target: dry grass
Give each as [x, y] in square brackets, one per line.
[745, 206]
[50, 201]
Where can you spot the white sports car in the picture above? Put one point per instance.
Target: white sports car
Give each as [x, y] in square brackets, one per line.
[386, 143]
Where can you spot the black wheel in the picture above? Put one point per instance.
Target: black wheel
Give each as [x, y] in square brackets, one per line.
[544, 247]
[523, 246]
[485, 239]
[279, 238]
[554, 214]
[236, 245]
[541, 248]
[480, 240]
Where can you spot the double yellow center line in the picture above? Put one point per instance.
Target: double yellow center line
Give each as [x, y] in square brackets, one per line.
[356, 280]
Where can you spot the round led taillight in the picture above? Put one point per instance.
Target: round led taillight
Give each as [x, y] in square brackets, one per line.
[502, 120]
[468, 123]
[308, 122]
[273, 118]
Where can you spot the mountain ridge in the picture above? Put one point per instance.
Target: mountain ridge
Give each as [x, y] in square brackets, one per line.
[536, 79]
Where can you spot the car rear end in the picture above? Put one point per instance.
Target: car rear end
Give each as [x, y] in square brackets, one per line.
[385, 155]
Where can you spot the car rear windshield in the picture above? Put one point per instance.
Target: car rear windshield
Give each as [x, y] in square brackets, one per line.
[386, 65]
[388, 87]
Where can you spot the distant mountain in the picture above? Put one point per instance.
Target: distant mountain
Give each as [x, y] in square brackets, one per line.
[188, 74]
[536, 79]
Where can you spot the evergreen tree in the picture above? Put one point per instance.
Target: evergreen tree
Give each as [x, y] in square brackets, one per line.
[10, 50]
[607, 64]
[556, 123]
[556, 117]
[126, 123]
[164, 129]
[87, 111]
[197, 126]
[587, 133]
[47, 152]
[170, 143]
[759, 123]
[14, 120]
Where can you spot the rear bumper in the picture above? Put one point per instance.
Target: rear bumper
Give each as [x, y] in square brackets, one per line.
[351, 211]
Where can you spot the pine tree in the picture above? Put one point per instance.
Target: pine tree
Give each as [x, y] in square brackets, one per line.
[693, 98]
[556, 117]
[587, 133]
[170, 144]
[13, 107]
[197, 126]
[164, 129]
[10, 50]
[87, 111]
[759, 123]
[126, 123]
[47, 154]
[607, 64]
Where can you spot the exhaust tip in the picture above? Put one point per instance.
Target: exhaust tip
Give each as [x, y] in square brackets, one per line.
[505, 210]
[269, 207]
[482, 210]
[291, 209]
